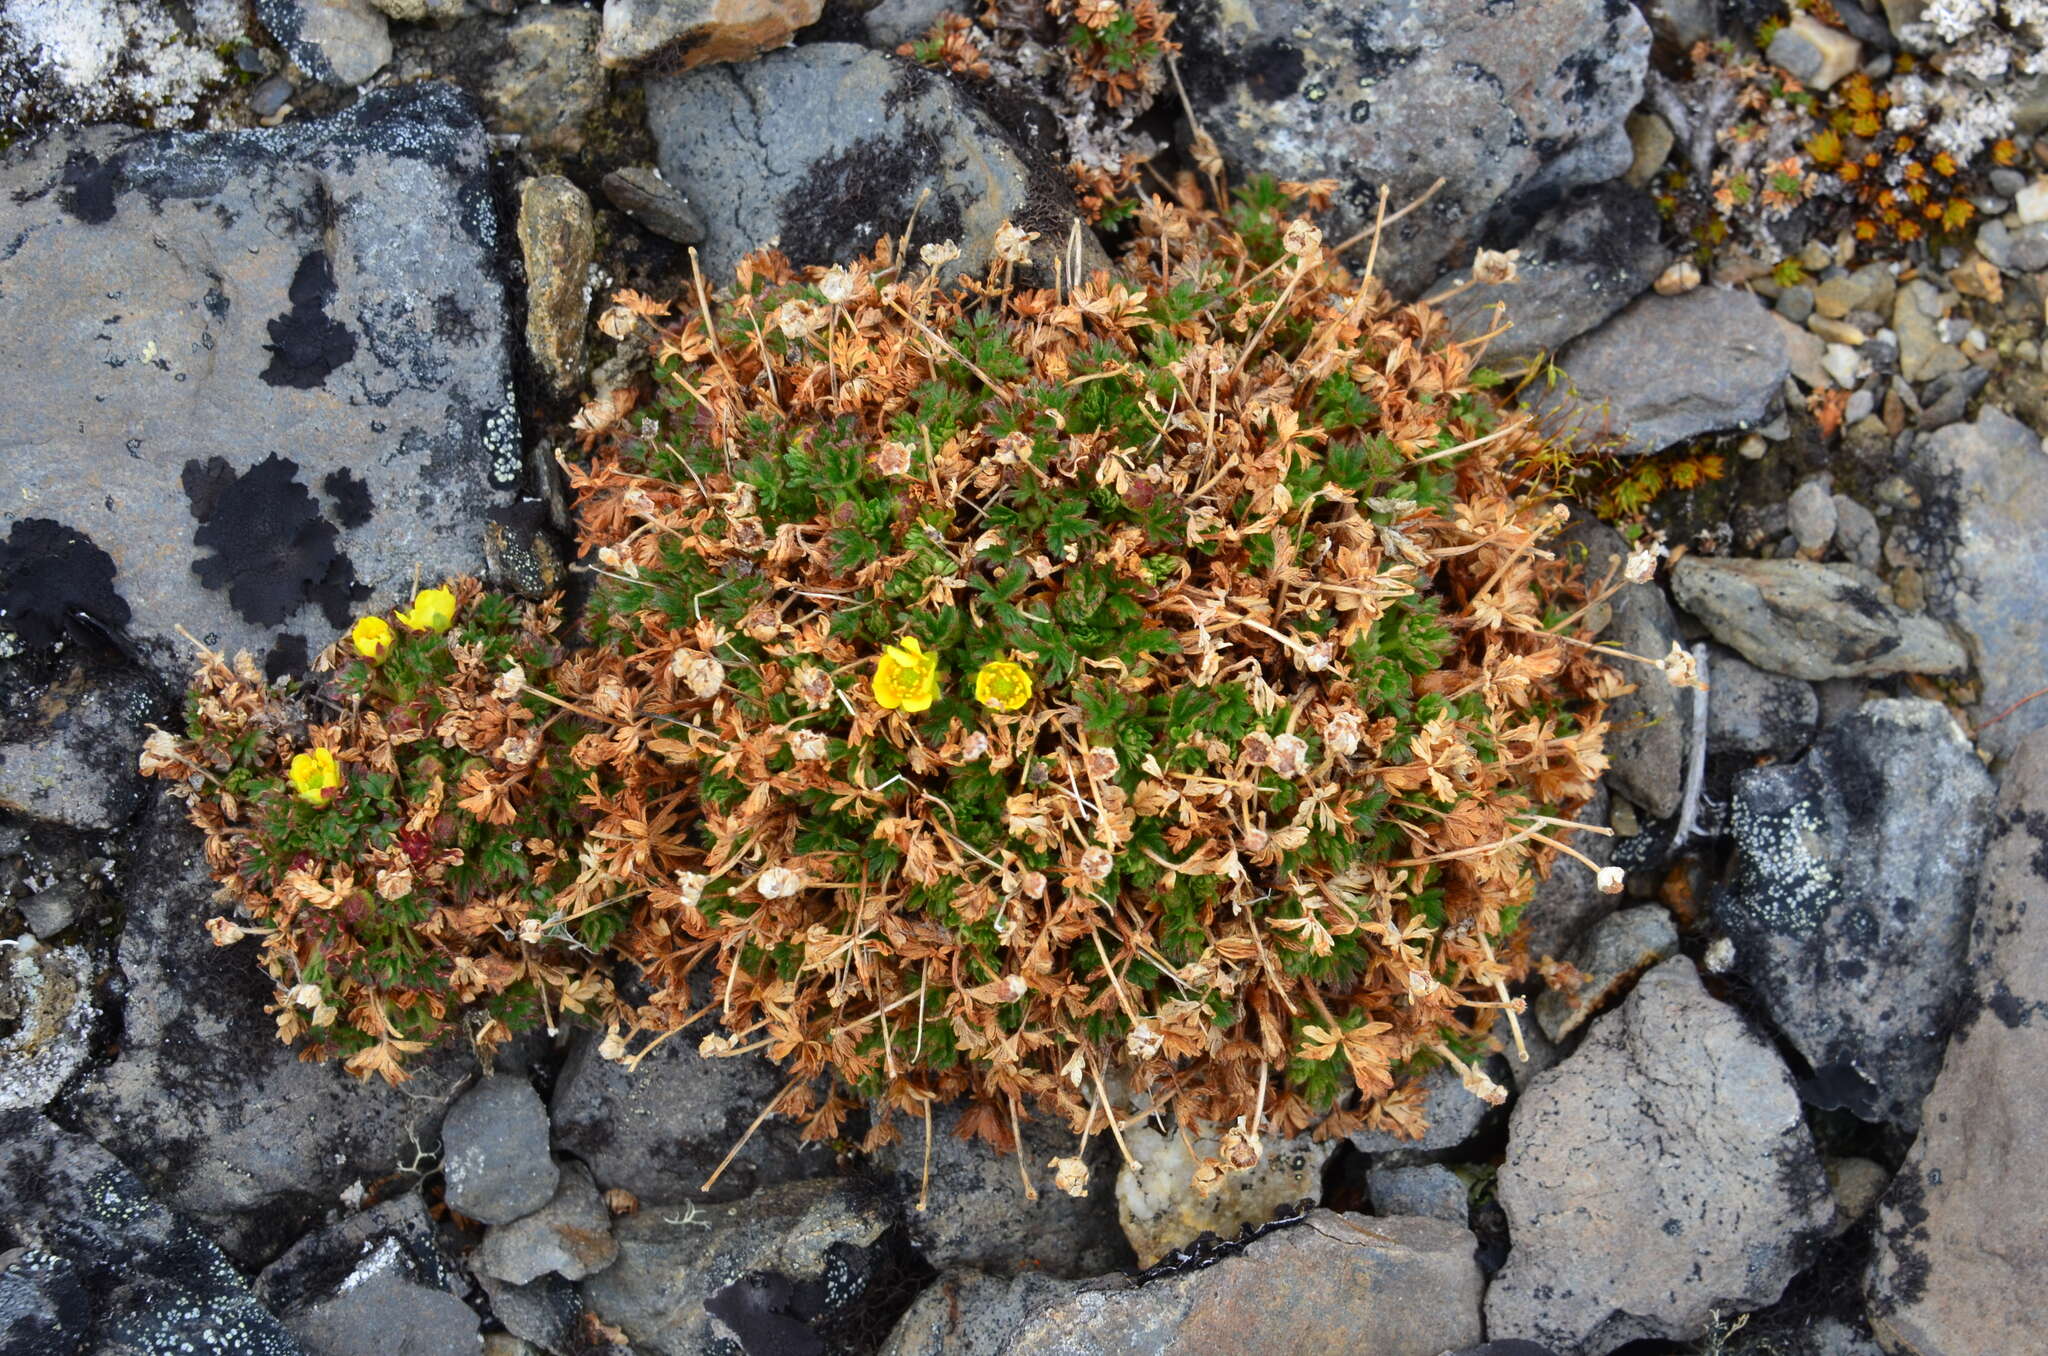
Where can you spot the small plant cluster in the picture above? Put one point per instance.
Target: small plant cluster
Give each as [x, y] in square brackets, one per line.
[1785, 163]
[1099, 64]
[405, 833]
[1141, 693]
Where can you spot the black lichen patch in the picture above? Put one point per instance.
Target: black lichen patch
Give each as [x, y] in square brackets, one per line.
[273, 552]
[350, 496]
[88, 188]
[867, 185]
[769, 1312]
[306, 344]
[287, 658]
[50, 575]
[1274, 70]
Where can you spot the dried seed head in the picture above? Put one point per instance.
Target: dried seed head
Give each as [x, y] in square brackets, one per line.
[1495, 268]
[1069, 1175]
[1609, 880]
[510, 683]
[1144, 1042]
[1013, 243]
[938, 253]
[1241, 1149]
[892, 458]
[808, 746]
[1210, 1174]
[778, 882]
[1097, 863]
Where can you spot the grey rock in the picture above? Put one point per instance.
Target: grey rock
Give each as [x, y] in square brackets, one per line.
[642, 194]
[1650, 139]
[827, 147]
[1752, 712]
[1857, 1183]
[894, 22]
[547, 1313]
[557, 239]
[681, 34]
[1849, 899]
[270, 97]
[1333, 1283]
[96, 1240]
[1962, 1234]
[1431, 1192]
[1922, 354]
[1670, 368]
[1857, 533]
[49, 911]
[375, 1283]
[1817, 53]
[1710, 1190]
[674, 1260]
[2024, 250]
[1652, 726]
[570, 1236]
[1455, 1117]
[1979, 540]
[336, 42]
[977, 1216]
[1947, 398]
[1812, 621]
[379, 1309]
[1620, 947]
[227, 1123]
[1811, 510]
[76, 765]
[1569, 900]
[659, 1130]
[1579, 264]
[1683, 22]
[1795, 303]
[1160, 1209]
[266, 371]
[547, 83]
[1506, 106]
[494, 1151]
[46, 1014]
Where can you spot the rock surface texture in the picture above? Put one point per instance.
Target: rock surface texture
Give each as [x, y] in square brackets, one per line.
[250, 381]
[1502, 99]
[1350, 1283]
[1807, 620]
[1670, 368]
[1849, 899]
[1980, 543]
[826, 148]
[683, 34]
[494, 1151]
[1709, 1187]
[1962, 1236]
[226, 1122]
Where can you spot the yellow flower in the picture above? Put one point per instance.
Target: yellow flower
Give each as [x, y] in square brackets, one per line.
[432, 610]
[1003, 685]
[906, 676]
[314, 774]
[372, 637]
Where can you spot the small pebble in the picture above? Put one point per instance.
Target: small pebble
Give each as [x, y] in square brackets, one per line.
[2031, 202]
[1796, 303]
[1811, 511]
[1862, 404]
[1841, 363]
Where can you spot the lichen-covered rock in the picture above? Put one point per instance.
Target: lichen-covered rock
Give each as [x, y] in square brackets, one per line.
[827, 147]
[1979, 544]
[73, 763]
[687, 33]
[110, 1263]
[265, 373]
[336, 42]
[1807, 620]
[1752, 712]
[1962, 1240]
[546, 82]
[1670, 368]
[1331, 1283]
[1160, 1209]
[1709, 1190]
[46, 1012]
[762, 1273]
[225, 1121]
[557, 239]
[1849, 899]
[1503, 99]
[1430, 1191]
[380, 1274]
[87, 60]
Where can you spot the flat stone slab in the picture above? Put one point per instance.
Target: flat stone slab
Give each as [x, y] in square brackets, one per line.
[260, 376]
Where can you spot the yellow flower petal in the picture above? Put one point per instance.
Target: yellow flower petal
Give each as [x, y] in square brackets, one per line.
[906, 677]
[1004, 685]
[372, 637]
[315, 773]
[432, 610]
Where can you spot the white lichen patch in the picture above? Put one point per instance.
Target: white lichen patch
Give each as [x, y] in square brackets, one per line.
[1790, 880]
[46, 1015]
[92, 60]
